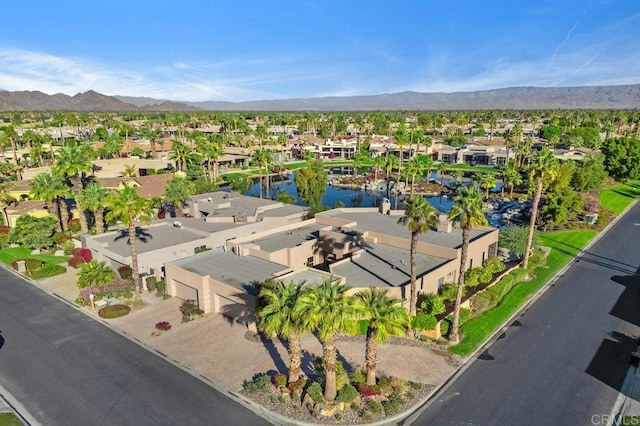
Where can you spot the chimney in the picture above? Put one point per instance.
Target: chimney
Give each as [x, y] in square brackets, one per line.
[444, 223]
[385, 206]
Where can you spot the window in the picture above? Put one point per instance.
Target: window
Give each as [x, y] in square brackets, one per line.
[440, 282]
[310, 261]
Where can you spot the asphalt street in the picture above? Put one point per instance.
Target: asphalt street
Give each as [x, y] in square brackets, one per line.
[65, 368]
[563, 362]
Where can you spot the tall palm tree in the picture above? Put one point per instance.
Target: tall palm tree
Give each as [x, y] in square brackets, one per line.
[401, 140]
[511, 176]
[378, 163]
[391, 162]
[542, 170]
[263, 158]
[177, 192]
[328, 310]
[179, 153]
[93, 198]
[467, 207]
[5, 200]
[415, 167]
[128, 207]
[49, 187]
[72, 163]
[419, 216]
[386, 317]
[442, 169]
[276, 316]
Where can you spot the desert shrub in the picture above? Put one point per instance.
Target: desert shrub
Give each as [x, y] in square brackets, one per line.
[163, 326]
[448, 292]
[189, 310]
[393, 404]
[279, 380]
[250, 387]
[315, 392]
[74, 225]
[117, 287]
[161, 287]
[385, 385]
[358, 376]
[424, 322]
[151, 283]
[125, 272]
[83, 295]
[297, 386]
[47, 270]
[375, 407]
[347, 394]
[430, 304]
[400, 386]
[263, 382]
[114, 311]
[369, 390]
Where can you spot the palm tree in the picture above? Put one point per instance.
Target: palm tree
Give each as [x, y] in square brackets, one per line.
[72, 163]
[511, 176]
[487, 182]
[391, 162]
[542, 170]
[401, 140]
[386, 317]
[467, 207]
[276, 316]
[263, 158]
[93, 198]
[414, 168]
[179, 152]
[177, 192]
[328, 310]
[5, 200]
[442, 168]
[49, 187]
[419, 216]
[128, 207]
[378, 163]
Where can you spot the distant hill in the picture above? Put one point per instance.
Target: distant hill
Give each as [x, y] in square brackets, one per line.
[515, 98]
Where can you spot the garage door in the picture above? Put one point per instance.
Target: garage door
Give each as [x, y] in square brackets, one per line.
[236, 311]
[185, 292]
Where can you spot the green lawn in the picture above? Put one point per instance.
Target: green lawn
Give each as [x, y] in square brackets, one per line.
[620, 196]
[564, 246]
[9, 419]
[10, 254]
[468, 168]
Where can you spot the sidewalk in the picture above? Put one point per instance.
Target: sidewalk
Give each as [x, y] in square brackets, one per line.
[628, 403]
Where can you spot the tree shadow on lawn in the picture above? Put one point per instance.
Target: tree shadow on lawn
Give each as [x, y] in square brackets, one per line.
[585, 256]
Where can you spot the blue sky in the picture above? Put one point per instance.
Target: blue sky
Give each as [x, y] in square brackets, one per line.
[262, 49]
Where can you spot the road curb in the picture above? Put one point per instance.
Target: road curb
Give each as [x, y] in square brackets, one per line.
[504, 327]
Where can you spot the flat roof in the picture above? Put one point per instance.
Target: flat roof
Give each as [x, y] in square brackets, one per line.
[380, 265]
[241, 272]
[285, 210]
[308, 276]
[388, 225]
[238, 203]
[289, 238]
[150, 238]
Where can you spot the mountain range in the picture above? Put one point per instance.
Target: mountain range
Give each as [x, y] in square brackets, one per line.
[512, 98]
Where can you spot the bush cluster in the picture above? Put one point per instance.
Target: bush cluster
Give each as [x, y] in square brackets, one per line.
[114, 311]
[189, 310]
[163, 326]
[80, 256]
[30, 264]
[125, 272]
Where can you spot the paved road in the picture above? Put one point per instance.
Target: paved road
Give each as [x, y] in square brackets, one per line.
[565, 359]
[67, 369]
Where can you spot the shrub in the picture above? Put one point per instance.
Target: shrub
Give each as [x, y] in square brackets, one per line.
[125, 272]
[392, 405]
[472, 277]
[151, 283]
[83, 295]
[30, 264]
[297, 386]
[161, 287]
[424, 322]
[117, 287]
[358, 376]
[485, 275]
[445, 324]
[369, 390]
[163, 326]
[495, 265]
[481, 302]
[385, 385]
[448, 292]
[347, 394]
[114, 311]
[47, 270]
[315, 392]
[279, 380]
[79, 257]
[430, 304]
[4, 230]
[74, 225]
[375, 407]
[189, 309]
[250, 387]
[400, 386]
